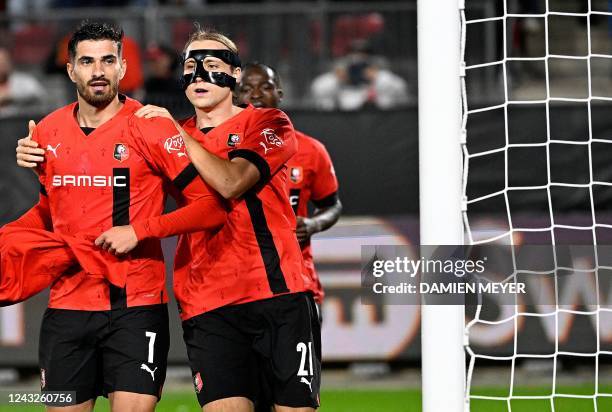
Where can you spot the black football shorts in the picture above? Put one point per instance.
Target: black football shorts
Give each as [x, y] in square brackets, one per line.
[99, 352]
[233, 348]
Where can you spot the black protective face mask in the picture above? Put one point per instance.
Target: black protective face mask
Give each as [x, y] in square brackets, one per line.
[218, 78]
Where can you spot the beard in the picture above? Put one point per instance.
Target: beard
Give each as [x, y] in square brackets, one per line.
[98, 99]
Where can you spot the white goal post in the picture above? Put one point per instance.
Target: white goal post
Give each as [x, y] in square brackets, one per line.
[446, 153]
[440, 194]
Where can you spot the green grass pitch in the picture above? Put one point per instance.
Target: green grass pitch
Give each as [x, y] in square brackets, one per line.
[408, 400]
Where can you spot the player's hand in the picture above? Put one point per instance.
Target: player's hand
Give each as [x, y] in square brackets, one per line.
[118, 240]
[305, 228]
[150, 111]
[28, 152]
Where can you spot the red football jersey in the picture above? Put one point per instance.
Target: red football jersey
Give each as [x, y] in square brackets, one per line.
[32, 259]
[112, 176]
[255, 255]
[311, 178]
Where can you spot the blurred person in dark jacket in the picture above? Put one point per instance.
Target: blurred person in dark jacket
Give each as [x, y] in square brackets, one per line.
[359, 80]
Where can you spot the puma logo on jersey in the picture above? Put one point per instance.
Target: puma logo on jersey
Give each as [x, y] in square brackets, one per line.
[146, 368]
[305, 381]
[53, 149]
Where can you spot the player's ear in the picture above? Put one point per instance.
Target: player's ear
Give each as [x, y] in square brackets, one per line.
[123, 68]
[70, 70]
[237, 74]
[280, 94]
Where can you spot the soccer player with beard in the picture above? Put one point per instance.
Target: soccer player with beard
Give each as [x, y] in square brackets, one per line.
[244, 302]
[105, 167]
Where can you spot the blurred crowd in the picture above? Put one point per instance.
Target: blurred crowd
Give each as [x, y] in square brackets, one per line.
[16, 5]
[356, 73]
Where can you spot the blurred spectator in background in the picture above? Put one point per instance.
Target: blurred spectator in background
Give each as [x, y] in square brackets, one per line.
[23, 7]
[349, 27]
[162, 87]
[359, 80]
[18, 90]
[88, 3]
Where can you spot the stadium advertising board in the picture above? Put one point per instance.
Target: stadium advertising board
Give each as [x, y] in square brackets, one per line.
[353, 331]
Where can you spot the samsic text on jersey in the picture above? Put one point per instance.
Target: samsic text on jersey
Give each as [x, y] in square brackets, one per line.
[255, 255]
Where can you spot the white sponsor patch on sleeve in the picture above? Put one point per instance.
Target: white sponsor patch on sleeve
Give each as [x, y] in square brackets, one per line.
[175, 144]
[270, 140]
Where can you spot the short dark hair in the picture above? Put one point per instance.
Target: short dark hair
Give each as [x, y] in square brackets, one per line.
[95, 31]
[264, 67]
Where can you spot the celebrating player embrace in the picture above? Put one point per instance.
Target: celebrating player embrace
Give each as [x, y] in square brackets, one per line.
[242, 289]
[244, 302]
[105, 167]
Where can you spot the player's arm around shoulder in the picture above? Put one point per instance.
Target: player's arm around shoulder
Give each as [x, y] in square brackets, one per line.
[161, 145]
[231, 178]
[147, 133]
[269, 142]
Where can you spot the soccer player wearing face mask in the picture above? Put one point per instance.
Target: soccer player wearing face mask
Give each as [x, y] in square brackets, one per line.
[244, 299]
[104, 169]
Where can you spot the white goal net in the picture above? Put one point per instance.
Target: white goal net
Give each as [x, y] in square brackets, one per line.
[537, 145]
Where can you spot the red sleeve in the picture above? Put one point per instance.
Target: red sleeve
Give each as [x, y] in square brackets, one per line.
[268, 143]
[158, 141]
[160, 144]
[203, 214]
[38, 217]
[325, 182]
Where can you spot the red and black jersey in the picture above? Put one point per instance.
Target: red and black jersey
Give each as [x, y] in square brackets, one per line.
[311, 179]
[255, 255]
[111, 176]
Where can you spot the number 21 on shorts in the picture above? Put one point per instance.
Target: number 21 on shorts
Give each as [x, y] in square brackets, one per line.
[306, 352]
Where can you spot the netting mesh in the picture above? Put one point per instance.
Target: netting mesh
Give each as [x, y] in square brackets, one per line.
[565, 74]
